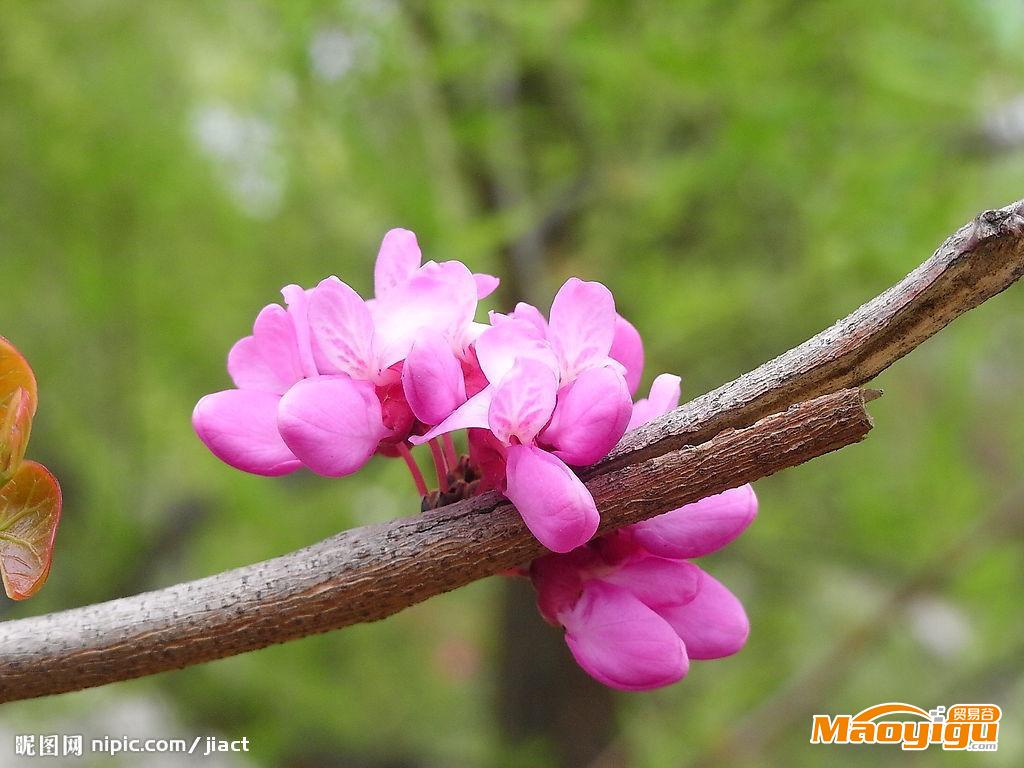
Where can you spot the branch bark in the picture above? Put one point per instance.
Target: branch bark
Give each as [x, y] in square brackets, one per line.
[799, 406]
[981, 259]
[368, 573]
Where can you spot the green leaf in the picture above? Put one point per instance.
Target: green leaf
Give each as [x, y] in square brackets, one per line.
[17, 407]
[30, 506]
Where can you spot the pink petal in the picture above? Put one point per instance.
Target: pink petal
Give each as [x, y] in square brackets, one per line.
[499, 347]
[269, 359]
[663, 398]
[472, 333]
[342, 330]
[471, 373]
[699, 528]
[665, 393]
[555, 505]
[581, 326]
[621, 642]
[713, 624]
[297, 299]
[432, 379]
[239, 426]
[333, 423]
[523, 401]
[395, 412]
[617, 547]
[485, 285]
[398, 258]
[441, 297]
[487, 454]
[530, 314]
[657, 582]
[590, 417]
[557, 580]
[628, 349]
[472, 414]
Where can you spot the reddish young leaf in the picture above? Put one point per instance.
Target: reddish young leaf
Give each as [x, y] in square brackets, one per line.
[15, 428]
[15, 372]
[17, 407]
[29, 513]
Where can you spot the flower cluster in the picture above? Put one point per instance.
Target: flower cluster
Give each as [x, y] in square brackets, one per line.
[634, 609]
[332, 379]
[322, 383]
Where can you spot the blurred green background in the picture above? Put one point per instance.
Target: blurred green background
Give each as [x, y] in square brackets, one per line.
[739, 173]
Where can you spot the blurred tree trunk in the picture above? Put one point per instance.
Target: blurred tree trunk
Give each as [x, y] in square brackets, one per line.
[543, 699]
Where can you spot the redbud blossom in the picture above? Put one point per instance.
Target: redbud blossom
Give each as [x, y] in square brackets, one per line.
[634, 609]
[334, 379]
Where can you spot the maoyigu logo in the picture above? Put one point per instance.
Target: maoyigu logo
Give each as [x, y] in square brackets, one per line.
[970, 727]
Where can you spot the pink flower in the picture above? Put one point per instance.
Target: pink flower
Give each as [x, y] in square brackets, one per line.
[628, 349]
[321, 384]
[399, 259]
[633, 618]
[433, 378]
[240, 425]
[634, 609]
[415, 312]
[663, 398]
[554, 397]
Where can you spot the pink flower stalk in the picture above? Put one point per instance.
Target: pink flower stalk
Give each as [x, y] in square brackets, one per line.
[554, 397]
[320, 384]
[634, 609]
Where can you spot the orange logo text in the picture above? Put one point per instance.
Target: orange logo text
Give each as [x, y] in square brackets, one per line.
[970, 727]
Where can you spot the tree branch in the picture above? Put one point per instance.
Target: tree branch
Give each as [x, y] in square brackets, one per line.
[368, 573]
[794, 408]
[978, 261]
